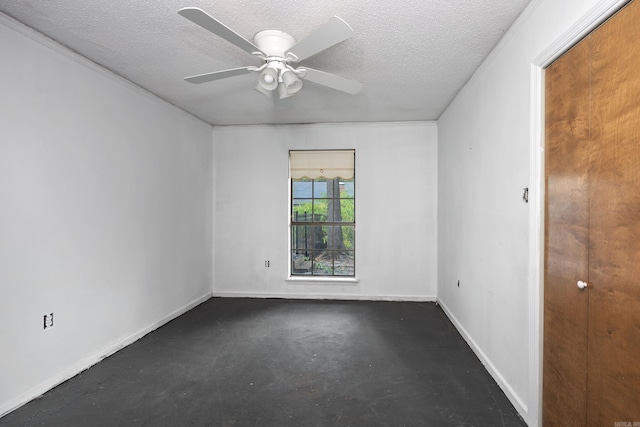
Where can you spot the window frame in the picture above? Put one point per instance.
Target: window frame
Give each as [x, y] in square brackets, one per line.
[312, 275]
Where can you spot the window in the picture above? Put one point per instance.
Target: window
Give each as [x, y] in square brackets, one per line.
[322, 213]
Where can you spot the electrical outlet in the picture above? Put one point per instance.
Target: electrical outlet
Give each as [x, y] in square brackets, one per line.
[47, 320]
[267, 263]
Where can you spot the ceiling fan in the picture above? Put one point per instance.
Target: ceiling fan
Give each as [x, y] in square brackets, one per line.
[278, 51]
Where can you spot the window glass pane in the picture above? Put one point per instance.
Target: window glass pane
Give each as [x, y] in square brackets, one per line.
[330, 237]
[320, 210]
[339, 238]
[302, 189]
[346, 189]
[334, 237]
[323, 263]
[333, 214]
[305, 238]
[301, 263]
[302, 210]
[348, 237]
[343, 210]
[333, 188]
[300, 239]
[319, 234]
[320, 188]
[344, 264]
[315, 237]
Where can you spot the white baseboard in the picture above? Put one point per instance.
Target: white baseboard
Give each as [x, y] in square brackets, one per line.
[329, 296]
[511, 394]
[87, 362]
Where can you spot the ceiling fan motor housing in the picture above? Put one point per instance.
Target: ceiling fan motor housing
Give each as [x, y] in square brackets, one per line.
[274, 42]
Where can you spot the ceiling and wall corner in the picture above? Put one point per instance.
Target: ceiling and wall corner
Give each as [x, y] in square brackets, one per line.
[412, 56]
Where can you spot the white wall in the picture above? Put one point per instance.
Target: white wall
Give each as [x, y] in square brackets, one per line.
[396, 182]
[484, 231]
[105, 217]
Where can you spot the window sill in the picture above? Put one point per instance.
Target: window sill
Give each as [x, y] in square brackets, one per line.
[320, 280]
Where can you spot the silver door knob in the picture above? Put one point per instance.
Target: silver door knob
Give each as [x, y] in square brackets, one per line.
[582, 284]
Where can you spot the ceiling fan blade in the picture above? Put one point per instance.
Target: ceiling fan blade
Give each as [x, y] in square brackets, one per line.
[217, 75]
[333, 32]
[208, 22]
[331, 80]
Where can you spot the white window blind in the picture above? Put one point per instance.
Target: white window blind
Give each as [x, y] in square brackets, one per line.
[316, 164]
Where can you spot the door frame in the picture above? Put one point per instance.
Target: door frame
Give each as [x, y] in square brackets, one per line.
[595, 17]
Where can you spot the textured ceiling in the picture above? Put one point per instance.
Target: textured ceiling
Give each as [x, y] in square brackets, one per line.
[413, 56]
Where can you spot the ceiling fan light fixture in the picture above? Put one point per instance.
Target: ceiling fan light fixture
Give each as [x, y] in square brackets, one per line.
[262, 90]
[282, 92]
[269, 78]
[292, 84]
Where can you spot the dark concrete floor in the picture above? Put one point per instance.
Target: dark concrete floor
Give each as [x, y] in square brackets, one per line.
[267, 362]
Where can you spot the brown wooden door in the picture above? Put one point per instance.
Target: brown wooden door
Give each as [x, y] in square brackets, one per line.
[566, 239]
[591, 373]
[614, 216]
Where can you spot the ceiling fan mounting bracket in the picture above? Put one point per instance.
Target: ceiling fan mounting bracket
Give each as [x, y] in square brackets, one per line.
[268, 59]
